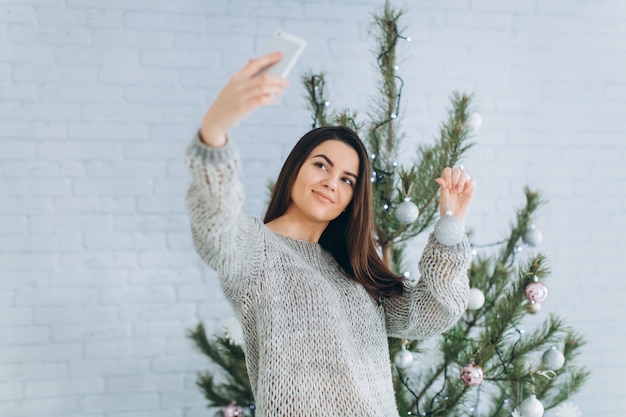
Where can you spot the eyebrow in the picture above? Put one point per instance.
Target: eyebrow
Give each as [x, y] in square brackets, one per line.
[332, 164]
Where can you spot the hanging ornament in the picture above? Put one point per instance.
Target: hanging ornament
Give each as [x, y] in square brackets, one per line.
[531, 407]
[532, 237]
[474, 121]
[472, 375]
[476, 299]
[233, 332]
[407, 212]
[567, 409]
[233, 410]
[403, 358]
[516, 413]
[449, 230]
[536, 292]
[553, 359]
[533, 308]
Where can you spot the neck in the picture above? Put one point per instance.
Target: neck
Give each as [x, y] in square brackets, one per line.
[297, 227]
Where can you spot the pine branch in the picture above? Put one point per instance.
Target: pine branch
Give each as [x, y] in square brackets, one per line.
[547, 334]
[447, 151]
[230, 358]
[348, 118]
[569, 380]
[524, 221]
[315, 85]
[209, 348]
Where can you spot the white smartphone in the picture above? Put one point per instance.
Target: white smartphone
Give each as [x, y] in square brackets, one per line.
[291, 47]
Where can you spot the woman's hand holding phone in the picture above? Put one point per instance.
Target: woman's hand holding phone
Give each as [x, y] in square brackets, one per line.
[245, 91]
[256, 84]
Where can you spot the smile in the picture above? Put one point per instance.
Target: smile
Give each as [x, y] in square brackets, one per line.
[323, 197]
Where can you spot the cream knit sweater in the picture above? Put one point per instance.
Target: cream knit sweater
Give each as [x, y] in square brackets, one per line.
[315, 341]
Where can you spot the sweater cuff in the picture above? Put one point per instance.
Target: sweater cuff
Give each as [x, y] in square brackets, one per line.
[198, 150]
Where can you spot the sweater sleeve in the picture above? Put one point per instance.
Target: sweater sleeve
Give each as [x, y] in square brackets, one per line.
[221, 232]
[439, 298]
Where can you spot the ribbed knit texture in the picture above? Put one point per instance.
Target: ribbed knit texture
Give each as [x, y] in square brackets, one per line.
[315, 341]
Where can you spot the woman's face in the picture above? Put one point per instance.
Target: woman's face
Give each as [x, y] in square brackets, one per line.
[325, 183]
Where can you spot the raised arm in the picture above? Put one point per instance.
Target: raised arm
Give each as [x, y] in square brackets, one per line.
[215, 195]
[441, 295]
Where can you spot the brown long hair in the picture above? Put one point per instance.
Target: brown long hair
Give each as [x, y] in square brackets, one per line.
[349, 237]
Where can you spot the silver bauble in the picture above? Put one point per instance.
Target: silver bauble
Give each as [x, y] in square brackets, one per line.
[553, 359]
[407, 212]
[449, 230]
[531, 407]
[476, 299]
[474, 121]
[532, 237]
[403, 358]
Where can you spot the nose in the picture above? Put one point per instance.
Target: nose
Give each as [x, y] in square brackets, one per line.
[330, 183]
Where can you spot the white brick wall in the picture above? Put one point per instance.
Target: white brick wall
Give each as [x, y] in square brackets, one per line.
[98, 99]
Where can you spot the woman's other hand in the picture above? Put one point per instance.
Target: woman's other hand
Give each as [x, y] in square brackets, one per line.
[456, 191]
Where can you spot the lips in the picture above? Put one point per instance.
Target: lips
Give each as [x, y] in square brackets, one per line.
[323, 196]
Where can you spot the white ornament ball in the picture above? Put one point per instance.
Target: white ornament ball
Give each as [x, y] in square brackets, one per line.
[403, 358]
[233, 332]
[532, 237]
[474, 121]
[476, 299]
[553, 359]
[531, 407]
[533, 308]
[449, 230]
[567, 409]
[407, 212]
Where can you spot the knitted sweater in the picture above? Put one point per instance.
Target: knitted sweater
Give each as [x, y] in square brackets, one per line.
[315, 340]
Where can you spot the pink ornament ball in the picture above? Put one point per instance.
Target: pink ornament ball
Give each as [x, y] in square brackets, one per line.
[233, 410]
[536, 292]
[472, 375]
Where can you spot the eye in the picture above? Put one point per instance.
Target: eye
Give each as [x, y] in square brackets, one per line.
[320, 165]
[348, 181]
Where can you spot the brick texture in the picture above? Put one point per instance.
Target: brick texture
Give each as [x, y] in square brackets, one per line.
[98, 99]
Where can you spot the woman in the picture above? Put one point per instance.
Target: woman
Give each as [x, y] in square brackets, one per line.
[315, 301]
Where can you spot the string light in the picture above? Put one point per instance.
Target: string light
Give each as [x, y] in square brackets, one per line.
[315, 89]
[394, 114]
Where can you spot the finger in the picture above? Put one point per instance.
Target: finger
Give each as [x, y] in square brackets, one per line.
[464, 178]
[470, 187]
[260, 95]
[264, 89]
[455, 176]
[446, 176]
[443, 201]
[267, 80]
[257, 64]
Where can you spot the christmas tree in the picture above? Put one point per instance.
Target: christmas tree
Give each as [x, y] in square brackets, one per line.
[485, 365]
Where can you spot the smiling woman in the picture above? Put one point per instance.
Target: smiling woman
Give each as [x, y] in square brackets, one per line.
[321, 191]
[310, 270]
